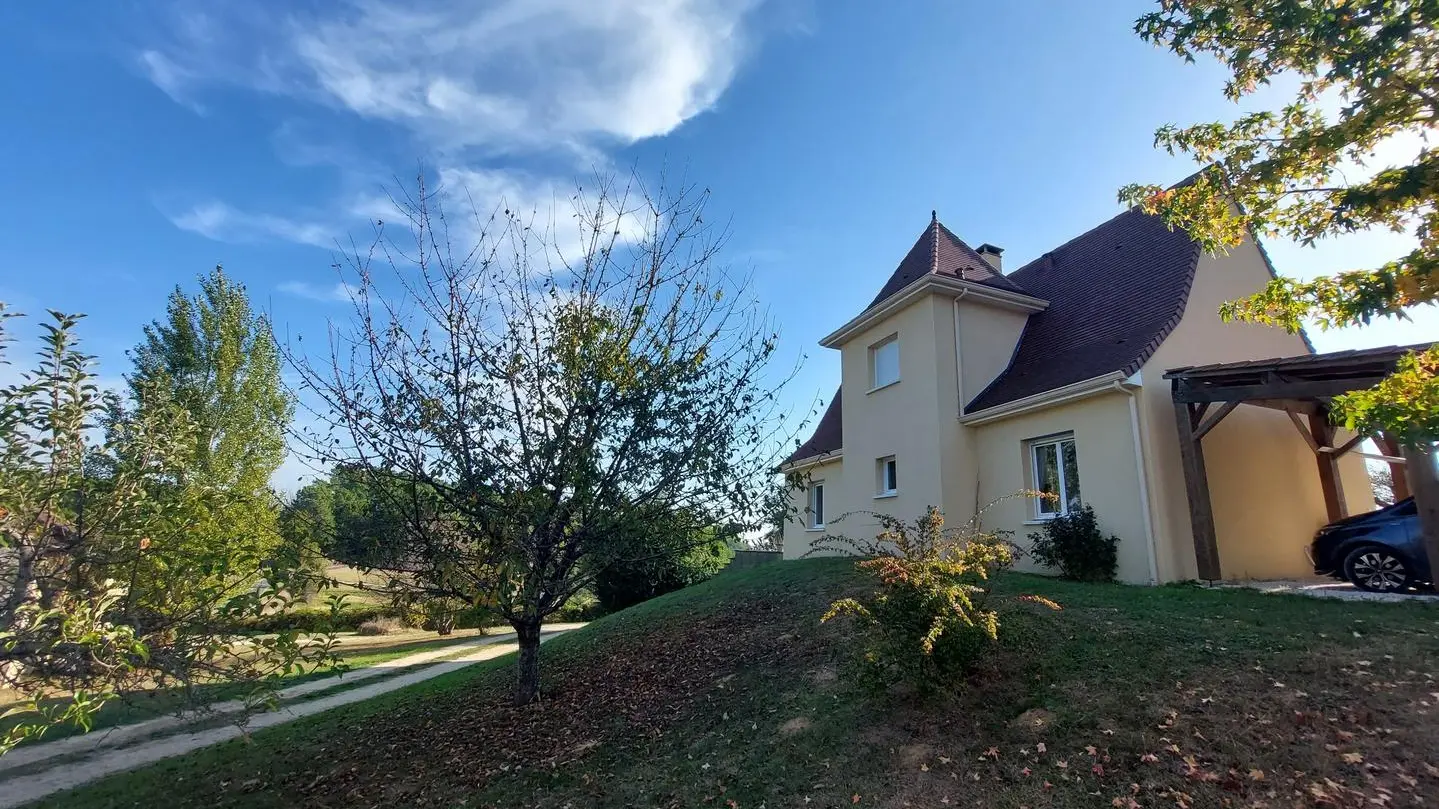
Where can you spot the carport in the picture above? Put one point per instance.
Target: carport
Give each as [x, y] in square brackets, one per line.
[1302, 387]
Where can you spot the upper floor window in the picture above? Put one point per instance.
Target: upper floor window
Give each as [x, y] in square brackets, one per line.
[886, 477]
[816, 505]
[884, 362]
[1055, 466]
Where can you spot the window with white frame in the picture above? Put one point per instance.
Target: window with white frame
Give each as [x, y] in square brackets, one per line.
[884, 362]
[1054, 464]
[816, 505]
[886, 477]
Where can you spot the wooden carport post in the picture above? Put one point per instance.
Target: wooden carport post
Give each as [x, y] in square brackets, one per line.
[1196, 484]
[1424, 483]
[1329, 482]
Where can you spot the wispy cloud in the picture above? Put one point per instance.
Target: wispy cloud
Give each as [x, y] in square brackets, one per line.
[172, 79]
[516, 75]
[477, 88]
[221, 222]
[303, 289]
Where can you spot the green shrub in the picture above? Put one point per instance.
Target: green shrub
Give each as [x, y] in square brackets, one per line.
[929, 618]
[312, 620]
[582, 606]
[381, 626]
[1075, 546]
[625, 584]
[437, 613]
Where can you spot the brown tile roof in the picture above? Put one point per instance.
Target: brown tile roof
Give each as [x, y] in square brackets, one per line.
[1114, 294]
[940, 252]
[827, 435]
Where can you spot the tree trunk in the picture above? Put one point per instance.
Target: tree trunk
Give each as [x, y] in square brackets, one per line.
[527, 686]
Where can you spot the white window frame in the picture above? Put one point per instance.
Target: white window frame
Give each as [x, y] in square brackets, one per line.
[814, 520]
[1040, 503]
[875, 383]
[886, 477]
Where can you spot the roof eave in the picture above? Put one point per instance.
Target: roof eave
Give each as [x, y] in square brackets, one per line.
[1083, 389]
[1001, 298]
[811, 460]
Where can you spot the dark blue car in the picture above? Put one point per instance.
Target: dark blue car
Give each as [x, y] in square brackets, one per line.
[1381, 551]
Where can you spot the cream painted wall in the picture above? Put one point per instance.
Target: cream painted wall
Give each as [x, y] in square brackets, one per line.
[798, 536]
[1263, 480]
[988, 336]
[1108, 473]
[912, 419]
[915, 420]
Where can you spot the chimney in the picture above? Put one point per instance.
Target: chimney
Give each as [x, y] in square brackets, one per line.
[992, 256]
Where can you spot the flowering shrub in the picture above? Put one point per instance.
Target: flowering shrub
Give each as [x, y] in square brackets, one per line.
[930, 618]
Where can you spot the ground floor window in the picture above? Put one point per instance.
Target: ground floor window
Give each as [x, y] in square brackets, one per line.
[886, 477]
[1055, 466]
[816, 505]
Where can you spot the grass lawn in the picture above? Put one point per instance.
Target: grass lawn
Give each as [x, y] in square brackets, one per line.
[358, 652]
[731, 694]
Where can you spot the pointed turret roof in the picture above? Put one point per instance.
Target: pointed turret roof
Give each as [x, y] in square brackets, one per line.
[939, 252]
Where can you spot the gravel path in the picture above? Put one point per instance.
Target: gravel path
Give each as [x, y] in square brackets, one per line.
[110, 754]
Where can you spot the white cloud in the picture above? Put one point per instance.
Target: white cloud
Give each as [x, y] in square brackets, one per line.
[508, 77]
[478, 88]
[303, 289]
[171, 78]
[221, 222]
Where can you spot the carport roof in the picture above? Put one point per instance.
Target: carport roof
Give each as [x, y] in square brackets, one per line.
[1306, 376]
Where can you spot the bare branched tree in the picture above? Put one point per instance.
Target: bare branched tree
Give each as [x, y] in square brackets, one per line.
[535, 408]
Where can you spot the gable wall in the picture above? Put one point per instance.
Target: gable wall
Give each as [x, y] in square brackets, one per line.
[987, 338]
[1263, 479]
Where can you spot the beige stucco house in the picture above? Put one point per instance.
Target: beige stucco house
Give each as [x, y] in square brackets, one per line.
[962, 384]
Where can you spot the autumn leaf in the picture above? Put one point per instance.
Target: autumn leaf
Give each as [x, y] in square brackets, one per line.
[1353, 758]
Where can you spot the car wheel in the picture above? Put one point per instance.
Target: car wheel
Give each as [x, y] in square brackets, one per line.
[1377, 569]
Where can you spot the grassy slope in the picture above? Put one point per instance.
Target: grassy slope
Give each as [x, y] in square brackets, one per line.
[726, 694]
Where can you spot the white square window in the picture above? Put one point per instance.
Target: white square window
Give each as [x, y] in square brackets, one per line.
[816, 505]
[884, 362]
[886, 475]
[1054, 464]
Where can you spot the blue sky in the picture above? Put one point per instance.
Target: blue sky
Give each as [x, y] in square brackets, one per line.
[148, 141]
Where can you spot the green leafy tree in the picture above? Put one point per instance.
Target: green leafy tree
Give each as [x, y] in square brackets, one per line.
[214, 359]
[107, 581]
[307, 529]
[1367, 75]
[527, 404]
[217, 359]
